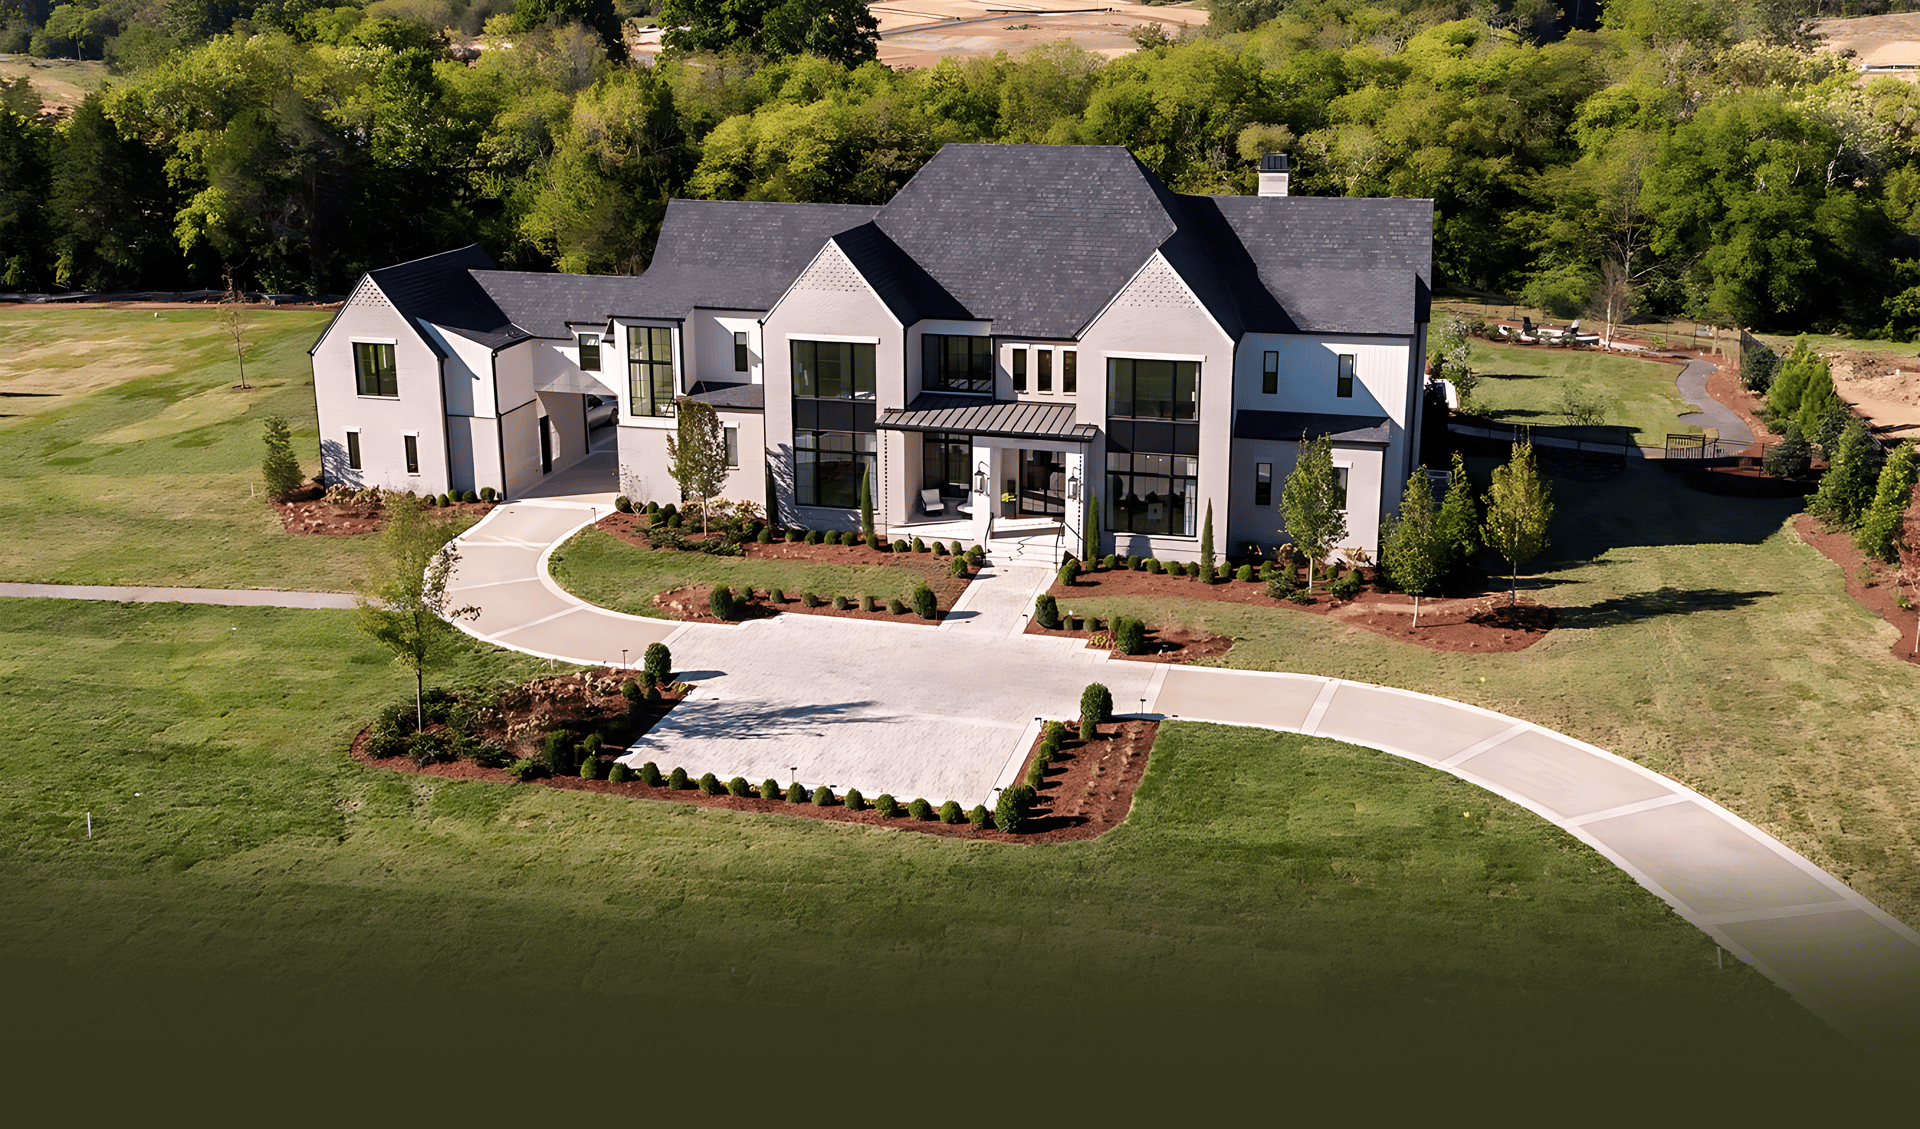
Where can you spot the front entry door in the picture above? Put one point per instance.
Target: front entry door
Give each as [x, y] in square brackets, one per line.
[546, 445]
[1043, 484]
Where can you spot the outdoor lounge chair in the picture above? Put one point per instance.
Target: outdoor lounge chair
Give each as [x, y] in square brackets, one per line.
[930, 502]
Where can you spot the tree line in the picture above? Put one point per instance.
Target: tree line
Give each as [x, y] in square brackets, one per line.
[1680, 158]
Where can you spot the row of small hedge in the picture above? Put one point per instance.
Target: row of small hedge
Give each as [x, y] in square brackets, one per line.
[725, 604]
[1282, 581]
[821, 797]
[486, 494]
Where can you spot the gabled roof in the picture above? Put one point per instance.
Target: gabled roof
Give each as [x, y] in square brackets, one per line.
[547, 305]
[440, 290]
[734, 254]
[904, 285]
[1333, 264]
[1035, 238]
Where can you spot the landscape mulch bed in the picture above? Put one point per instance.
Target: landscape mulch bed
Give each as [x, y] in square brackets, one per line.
[1089, 789]
[310, 512]
[1874, 586]
[1480, 622]
[691, 603]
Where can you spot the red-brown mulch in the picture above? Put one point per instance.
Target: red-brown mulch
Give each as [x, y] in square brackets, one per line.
[1482, 622]
[1088, 791]
[692, 603]
[310, 512]
[1874, 586]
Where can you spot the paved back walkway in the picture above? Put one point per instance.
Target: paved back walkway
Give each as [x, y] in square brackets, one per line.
[947, 712]
[1692, 383]
[230, 597]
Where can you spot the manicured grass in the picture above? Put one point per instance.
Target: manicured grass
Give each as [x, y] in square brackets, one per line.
[1698, 636]
[1523, 384]
[130, 458]
[602, 569]
[1271, 896]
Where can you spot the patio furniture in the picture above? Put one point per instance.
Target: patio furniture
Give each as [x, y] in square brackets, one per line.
[930, 501]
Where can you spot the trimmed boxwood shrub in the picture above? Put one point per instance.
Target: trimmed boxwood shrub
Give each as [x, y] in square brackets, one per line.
[939, 548]
[886, 806]
[902, 547]
[1096, 705]
[710, 784]
[1129, 635]
[1154, 566]
[653, 507]
[624, 504]
[977, 552]
[854, 801]
[446, 500]
[677, 779]
[657, 664]
[721, 602]
[619, 773]
[650, 774]
[1348, 586]
[1011, 812]
[794, 535]
[950, 812]
[958, 567]
[674, 522]
[978, 816]
[765, 536]
[874, 542]
[669, 511]
[921, 810]
[1069, 573]
[823, 797]
[796, 794]
[1046, 611]
[924, 604]
[738, 786]
[487, 494]
[557, 753]
[867, 604]
[630, 690]
[776, 596]
[1245, 573]
[813, 537]
[1037, 773]
[770, 789]
[524, 769]
[895, 607]
[469, 496]
[919, 546]
[1137, 564]
[1109, 562]
[840, 604]
[590, 768]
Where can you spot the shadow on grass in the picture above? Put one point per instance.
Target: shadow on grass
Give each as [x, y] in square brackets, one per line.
[1643, 506]
[1656, 604]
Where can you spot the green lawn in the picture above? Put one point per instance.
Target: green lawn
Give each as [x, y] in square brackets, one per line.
[1698, 636]
[1273, 897]
[128, 457]
[601, 568]
[1523, 385]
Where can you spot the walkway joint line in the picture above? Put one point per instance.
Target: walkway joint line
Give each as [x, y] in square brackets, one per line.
[1634, 808]
[1311, 726]
[1494, 741]
[1773, 913]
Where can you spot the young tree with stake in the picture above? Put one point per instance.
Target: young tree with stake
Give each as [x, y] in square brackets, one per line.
[697, 453]
[404, 604]
[1519, 510]
[1414, 546]
[1314, 505]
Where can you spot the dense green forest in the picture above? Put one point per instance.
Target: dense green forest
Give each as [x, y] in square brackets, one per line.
[1683, 157]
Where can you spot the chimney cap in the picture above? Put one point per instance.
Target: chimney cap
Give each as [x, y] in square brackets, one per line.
[1273, 162]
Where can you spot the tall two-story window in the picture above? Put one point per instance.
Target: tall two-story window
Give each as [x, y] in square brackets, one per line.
[1343, 379]
[373, 369]
[951, 363]
[650, 369]
[589, 352]
[1153, 445]
[834, 441]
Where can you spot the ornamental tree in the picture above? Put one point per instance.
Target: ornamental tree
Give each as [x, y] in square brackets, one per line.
[1519, 510]
[1314, 504]
[1414, 549]
[404, 604]
[697, 453]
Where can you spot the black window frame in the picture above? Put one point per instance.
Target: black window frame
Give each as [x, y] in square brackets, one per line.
[938, 463]
[1069, 372]
[647, 368]
[1153, 446]
[1043, 371]
[411, 445]
[1019, 366]
[941, 354]
[730, 435]
[589, 345]
[353, 451]
[742, 361]
[856, 379]
[1263, 484]
[807, 447]
[376, 370]
[1270, 372]
[1343, 376]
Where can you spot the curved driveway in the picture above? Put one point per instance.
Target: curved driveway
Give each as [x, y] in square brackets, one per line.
[948, 712]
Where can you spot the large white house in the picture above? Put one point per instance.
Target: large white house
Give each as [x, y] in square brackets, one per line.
[1022, 330]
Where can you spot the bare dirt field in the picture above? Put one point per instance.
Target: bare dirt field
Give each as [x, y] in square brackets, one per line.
[919, 33]
[1876, 41]
[1882, 388]
[61, 83]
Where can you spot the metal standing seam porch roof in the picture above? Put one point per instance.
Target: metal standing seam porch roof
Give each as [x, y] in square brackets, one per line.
[938, 412]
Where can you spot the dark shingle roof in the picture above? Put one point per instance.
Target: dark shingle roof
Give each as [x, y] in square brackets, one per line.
[1037, 238]
[904, 285]
[722, 395]
[1253, 423]
[936, 411]
[734, 255]
[440, 290]
[1333, 265]
[543, 304]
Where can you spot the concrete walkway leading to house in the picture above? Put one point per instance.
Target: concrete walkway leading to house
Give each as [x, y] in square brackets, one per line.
[948, 712]
[1692, 383]
[230, 597]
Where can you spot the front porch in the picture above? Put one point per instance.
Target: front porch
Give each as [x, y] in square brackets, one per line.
[1026, 540]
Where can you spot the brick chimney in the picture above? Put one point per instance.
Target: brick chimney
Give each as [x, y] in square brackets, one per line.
[1273, 175]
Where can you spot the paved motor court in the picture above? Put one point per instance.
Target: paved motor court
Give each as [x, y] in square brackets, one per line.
[948, 712]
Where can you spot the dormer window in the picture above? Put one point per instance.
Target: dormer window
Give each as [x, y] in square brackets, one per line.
[589, 351]
[952, 363]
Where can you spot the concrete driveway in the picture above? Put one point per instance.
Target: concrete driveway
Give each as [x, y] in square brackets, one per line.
[947, 712]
